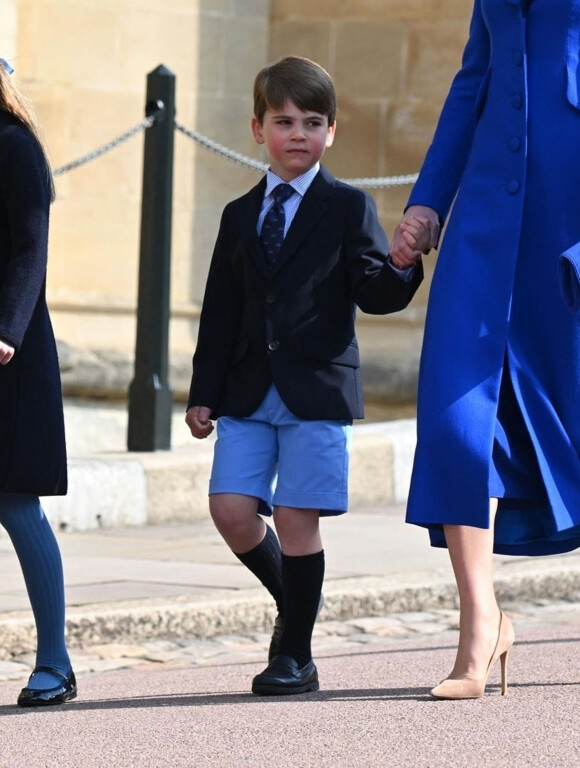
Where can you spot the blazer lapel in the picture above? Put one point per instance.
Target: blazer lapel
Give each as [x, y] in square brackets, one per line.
[309, 213]
[248, 223]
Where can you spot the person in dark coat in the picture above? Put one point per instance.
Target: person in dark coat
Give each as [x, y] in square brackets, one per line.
[497, 464]
[32, 439]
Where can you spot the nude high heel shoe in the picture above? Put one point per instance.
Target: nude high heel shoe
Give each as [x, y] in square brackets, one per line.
[474, 688]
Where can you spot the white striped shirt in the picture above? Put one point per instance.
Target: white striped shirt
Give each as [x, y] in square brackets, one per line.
[300, 186]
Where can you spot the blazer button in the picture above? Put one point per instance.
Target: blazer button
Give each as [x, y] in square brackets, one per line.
[514, 144]
[513, 186]
[516, 101]
[273, 345]
[270, 298]
[518, 58]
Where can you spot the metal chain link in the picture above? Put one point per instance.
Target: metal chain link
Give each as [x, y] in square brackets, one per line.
[219, 149]
[383, 182]
[146, 123]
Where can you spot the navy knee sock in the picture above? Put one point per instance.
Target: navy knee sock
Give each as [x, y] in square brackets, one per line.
[302, 579]
[264, 561]
[38, 552]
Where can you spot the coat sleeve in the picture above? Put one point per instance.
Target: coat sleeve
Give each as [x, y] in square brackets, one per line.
[219, 321]
[25, 198]
[447, 156]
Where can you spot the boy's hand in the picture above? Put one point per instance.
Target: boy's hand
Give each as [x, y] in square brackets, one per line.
[197, 419]
[416, 234]
[6, 352]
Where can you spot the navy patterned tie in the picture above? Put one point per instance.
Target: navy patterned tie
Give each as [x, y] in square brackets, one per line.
[272, 233]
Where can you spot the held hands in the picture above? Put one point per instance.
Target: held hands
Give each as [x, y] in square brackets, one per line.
[197, 419]
[6, 352]
[416, 234]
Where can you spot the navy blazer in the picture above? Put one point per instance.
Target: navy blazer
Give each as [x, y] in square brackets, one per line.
[294, 325]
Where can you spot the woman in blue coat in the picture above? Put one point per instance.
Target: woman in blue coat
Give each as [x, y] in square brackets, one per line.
[497, 463]
[32, 443]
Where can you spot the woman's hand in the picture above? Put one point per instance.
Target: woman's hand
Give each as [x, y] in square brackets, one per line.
[6, 352]
[416, 234]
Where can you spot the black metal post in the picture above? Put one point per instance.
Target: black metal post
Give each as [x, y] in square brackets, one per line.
[150, 395]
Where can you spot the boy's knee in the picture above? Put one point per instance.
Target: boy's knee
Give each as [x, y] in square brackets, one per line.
[235, 515]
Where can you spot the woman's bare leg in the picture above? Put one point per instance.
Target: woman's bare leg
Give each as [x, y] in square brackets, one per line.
[471, 553]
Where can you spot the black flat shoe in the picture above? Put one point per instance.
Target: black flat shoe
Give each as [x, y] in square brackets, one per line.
[283, 677]
[66, 690]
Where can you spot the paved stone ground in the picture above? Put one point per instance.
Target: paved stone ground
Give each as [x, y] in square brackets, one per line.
[329, 636]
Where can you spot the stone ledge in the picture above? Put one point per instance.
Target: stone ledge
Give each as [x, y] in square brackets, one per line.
[250, 613]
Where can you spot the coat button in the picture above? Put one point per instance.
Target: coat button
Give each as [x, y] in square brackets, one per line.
[513, 186]
[514, 144]
[273, 345]
[518, 58]
[516, 101]
[270, 298]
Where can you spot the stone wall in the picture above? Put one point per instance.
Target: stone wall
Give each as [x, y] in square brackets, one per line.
[84, 63]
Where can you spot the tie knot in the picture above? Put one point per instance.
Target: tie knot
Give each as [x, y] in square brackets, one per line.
[282, 192]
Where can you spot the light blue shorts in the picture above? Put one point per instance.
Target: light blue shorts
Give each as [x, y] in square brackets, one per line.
[283, 460]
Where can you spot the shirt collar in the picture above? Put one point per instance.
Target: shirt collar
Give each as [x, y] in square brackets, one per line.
[300, 184]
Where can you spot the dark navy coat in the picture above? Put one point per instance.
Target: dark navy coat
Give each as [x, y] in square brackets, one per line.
[32, 442]
[499, 390]
[294, 325]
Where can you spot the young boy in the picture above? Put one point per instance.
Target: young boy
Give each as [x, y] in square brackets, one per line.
[277, 361]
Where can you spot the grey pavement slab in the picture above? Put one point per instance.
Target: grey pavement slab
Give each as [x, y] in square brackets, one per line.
[127, 563]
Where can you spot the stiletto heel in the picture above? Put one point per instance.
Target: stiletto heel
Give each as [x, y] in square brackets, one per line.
[503, 663]
[474, 688]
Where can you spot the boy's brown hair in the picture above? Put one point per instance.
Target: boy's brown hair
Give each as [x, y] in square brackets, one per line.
[296, 79]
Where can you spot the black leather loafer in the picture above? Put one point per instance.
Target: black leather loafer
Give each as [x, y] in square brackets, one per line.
[283, 677]
[67, 689]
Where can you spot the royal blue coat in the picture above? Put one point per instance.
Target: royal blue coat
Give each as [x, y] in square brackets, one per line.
[32, 443]
[499, 385]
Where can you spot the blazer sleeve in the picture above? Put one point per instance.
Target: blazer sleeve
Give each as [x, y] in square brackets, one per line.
[446, 158]
[219, 320]
[376, 286]
[25, 197]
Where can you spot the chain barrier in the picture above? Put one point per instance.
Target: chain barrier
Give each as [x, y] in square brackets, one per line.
[146, 123]
[383, 182]
[219, 149]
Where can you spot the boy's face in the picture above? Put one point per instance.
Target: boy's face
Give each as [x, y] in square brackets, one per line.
[295, 140]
